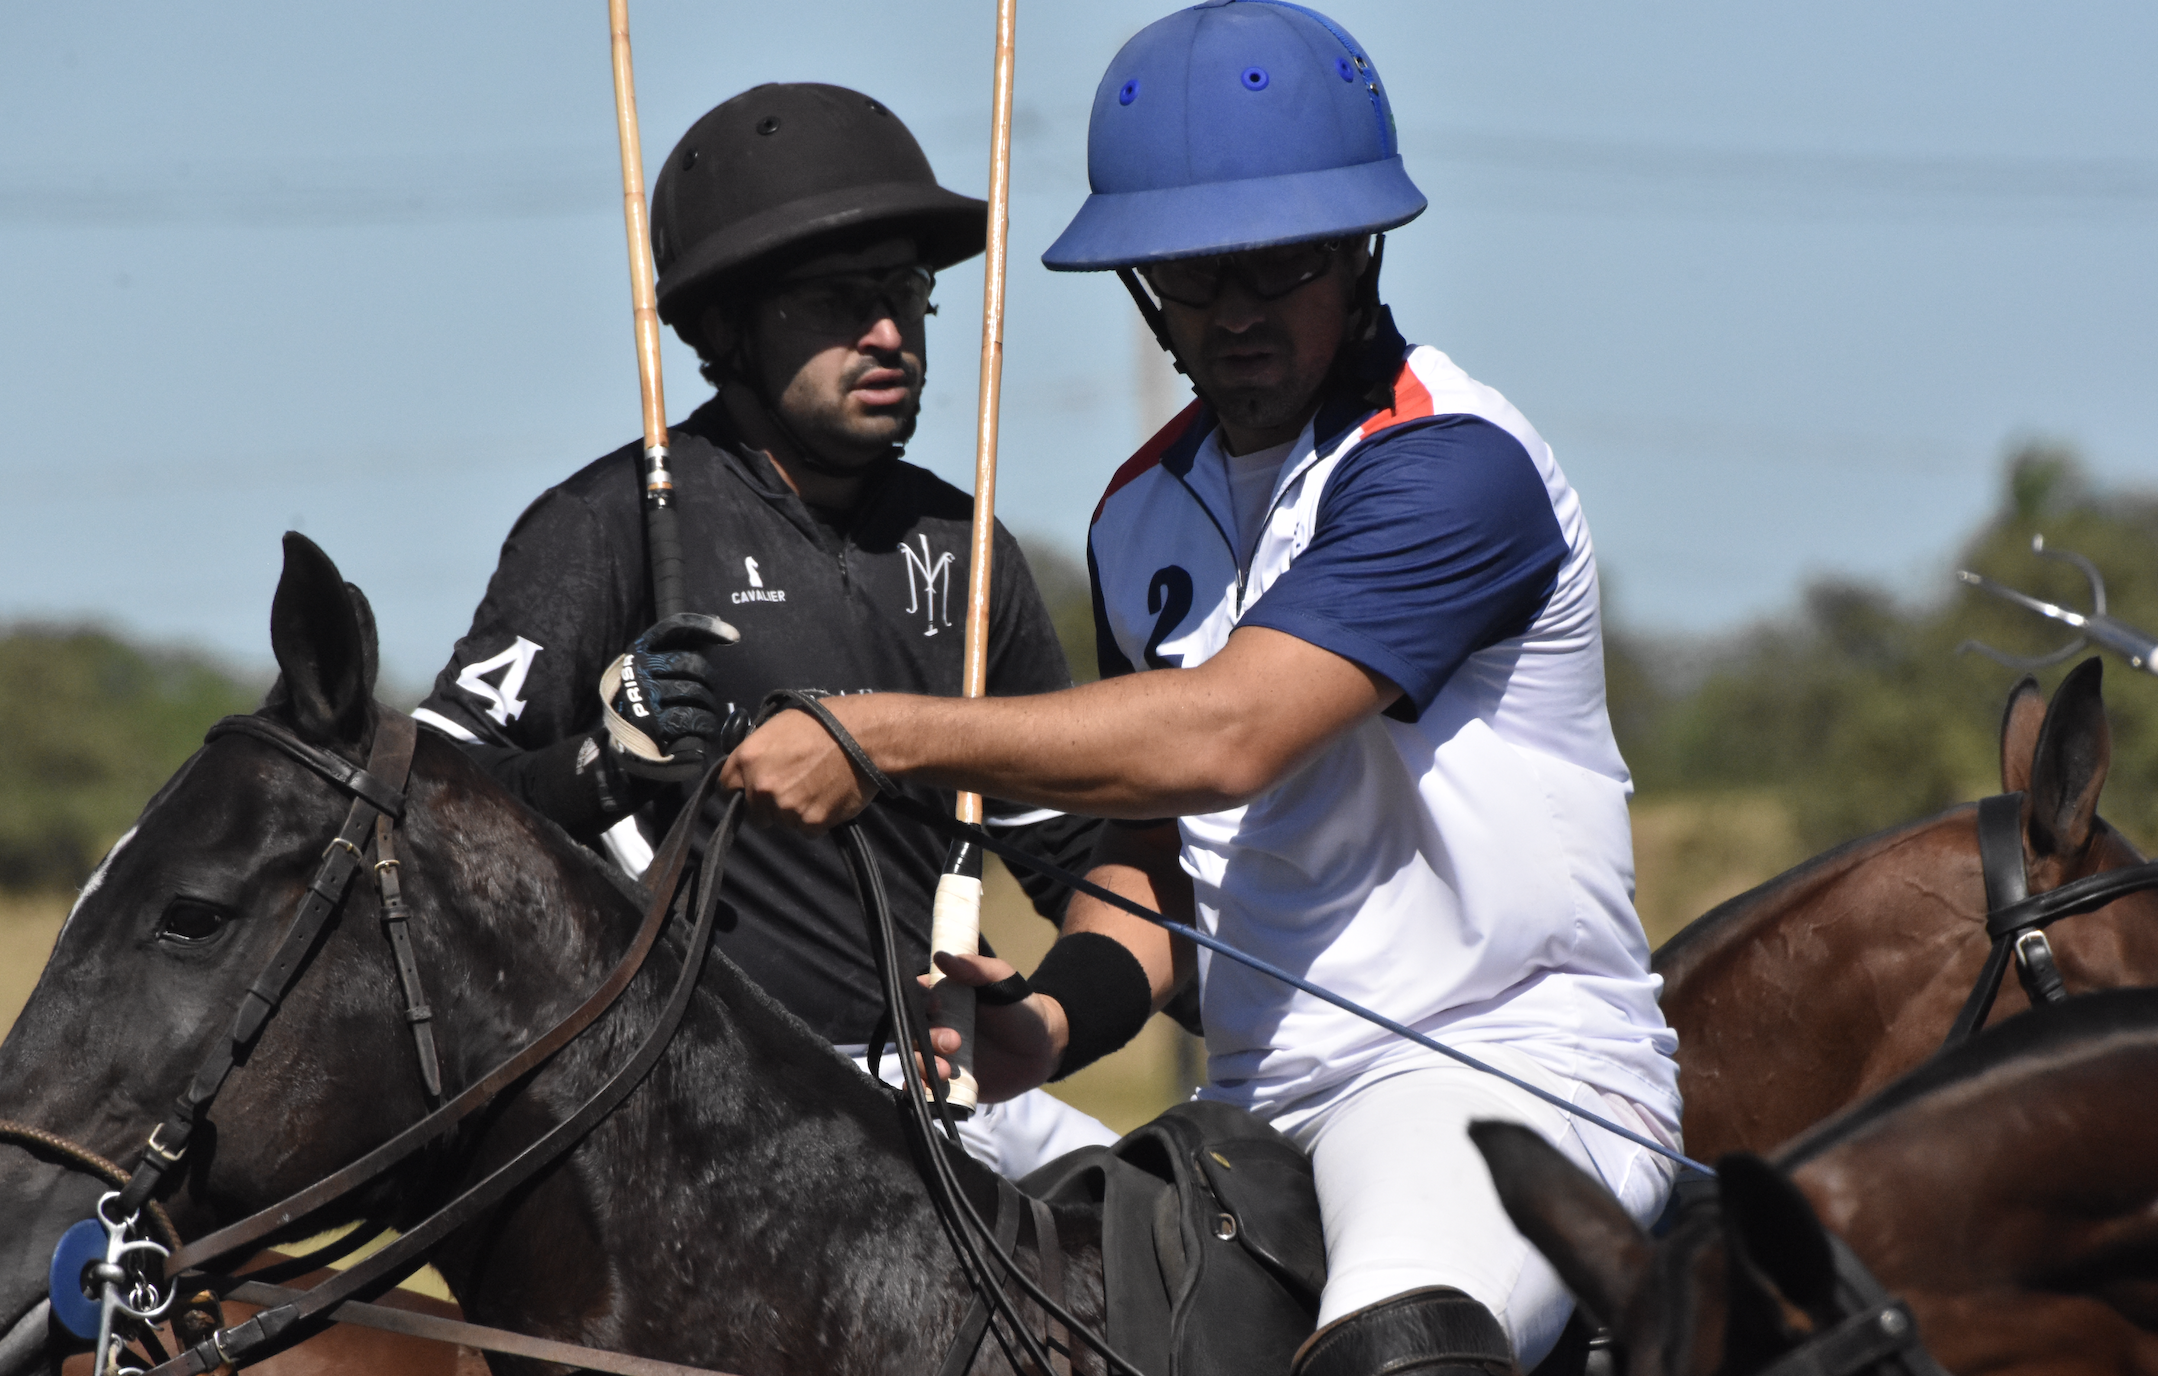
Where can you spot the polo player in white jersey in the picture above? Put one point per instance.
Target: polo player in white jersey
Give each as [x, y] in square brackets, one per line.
[1350, 650]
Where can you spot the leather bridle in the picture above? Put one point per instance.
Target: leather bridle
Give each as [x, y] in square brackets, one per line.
[1876, 1332]
[378, 795]
[378, 798]
[2016, 920]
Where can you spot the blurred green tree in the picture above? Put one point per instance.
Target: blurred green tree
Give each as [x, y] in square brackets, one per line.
[90, 726]
[1860, 712]
[1062, 580]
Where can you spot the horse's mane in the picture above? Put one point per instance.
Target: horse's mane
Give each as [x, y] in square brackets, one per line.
[781, 1033]
[2049, 1032]
[1731, 917]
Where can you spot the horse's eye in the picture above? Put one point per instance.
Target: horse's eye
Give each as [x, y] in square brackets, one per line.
[188, 921]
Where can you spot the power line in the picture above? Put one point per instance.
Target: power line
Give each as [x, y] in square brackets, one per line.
[1547, 171]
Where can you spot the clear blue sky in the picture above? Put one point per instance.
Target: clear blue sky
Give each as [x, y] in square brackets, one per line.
[1778, 283]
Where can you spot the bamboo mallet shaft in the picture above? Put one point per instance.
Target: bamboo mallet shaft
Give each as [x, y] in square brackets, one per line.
[957, 922]
[662, 535]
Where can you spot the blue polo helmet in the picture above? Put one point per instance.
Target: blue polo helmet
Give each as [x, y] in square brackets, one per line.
[1232, 125]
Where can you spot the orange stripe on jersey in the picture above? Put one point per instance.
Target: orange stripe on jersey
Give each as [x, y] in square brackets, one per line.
[1412, 401]
[1149, 455]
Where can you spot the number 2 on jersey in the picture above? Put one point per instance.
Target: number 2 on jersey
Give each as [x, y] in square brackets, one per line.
[1168, 596]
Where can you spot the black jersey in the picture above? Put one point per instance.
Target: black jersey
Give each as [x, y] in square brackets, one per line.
[877, 604]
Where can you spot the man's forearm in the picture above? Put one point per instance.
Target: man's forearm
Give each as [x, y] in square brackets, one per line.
[1143, 865]
[569, 782]
[1169, 742]
[1110, 970]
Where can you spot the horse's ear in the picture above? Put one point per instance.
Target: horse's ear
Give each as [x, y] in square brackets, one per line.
[1597, 1249]
[324, 640]
[1770, 1224]
[2019, 734]
[363, 615]
[2068, 770]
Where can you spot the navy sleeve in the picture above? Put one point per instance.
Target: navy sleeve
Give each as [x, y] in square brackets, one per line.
[1431, 543]
[1109, 661]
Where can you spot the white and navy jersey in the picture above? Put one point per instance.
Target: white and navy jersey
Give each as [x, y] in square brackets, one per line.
[1462, 863]
[877, 604]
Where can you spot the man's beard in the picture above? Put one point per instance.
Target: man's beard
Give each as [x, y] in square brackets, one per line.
[846, 442]
[1258, 406]
[1261, 408]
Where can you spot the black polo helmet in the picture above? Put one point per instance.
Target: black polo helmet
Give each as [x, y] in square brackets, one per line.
[784, 165]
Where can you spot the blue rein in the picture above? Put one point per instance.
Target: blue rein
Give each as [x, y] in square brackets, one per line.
[890, 795]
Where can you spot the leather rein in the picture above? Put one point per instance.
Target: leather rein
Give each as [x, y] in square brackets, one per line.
[288, 1316]
[378, 794]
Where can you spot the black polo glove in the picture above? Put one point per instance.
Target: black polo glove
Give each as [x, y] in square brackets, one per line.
[659, 700]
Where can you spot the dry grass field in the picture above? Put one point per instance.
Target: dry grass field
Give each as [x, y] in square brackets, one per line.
[28, 924]
[1692, 853]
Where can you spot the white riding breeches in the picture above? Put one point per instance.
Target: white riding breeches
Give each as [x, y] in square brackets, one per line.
[1407, 1202]
[1014, 1137]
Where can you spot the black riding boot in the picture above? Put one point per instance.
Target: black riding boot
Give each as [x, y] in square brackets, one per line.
[1436, 1331]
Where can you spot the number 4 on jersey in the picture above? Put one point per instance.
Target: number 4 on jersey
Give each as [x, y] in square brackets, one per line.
[515, 663]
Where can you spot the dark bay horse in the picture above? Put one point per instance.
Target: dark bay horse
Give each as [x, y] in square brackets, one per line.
[752, 1206]
[1820, 986]
[2007, 1192]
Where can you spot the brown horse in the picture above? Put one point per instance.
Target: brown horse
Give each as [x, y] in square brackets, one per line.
[2007, 1193]
[1820, 986]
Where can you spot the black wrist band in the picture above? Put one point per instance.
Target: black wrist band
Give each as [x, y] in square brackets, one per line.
[1104, 992]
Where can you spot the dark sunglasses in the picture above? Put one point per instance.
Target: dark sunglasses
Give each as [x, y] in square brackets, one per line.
[846, 300]
[1268, 273]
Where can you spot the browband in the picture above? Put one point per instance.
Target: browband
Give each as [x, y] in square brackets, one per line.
[341, 772]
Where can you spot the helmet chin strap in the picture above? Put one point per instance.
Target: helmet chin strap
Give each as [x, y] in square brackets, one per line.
[1367, 294]
[1151, 313]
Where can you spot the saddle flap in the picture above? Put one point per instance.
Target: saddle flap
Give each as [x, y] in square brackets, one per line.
[1138, 1320]
[1212, 1255]
[1266, 1186]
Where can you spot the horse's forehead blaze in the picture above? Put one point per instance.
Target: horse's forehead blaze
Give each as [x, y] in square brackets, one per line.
[220, 821]
[97, 877]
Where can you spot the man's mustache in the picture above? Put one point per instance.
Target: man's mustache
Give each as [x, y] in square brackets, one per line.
[910, 366]
[1265, 335]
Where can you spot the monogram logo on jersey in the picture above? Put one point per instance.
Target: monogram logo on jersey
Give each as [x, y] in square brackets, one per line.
[756, 591]
[929, 585]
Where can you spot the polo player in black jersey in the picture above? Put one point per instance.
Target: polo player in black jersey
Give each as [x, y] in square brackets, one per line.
[797, 231]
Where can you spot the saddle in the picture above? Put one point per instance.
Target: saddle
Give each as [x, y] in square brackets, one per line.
[1212, 1255]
